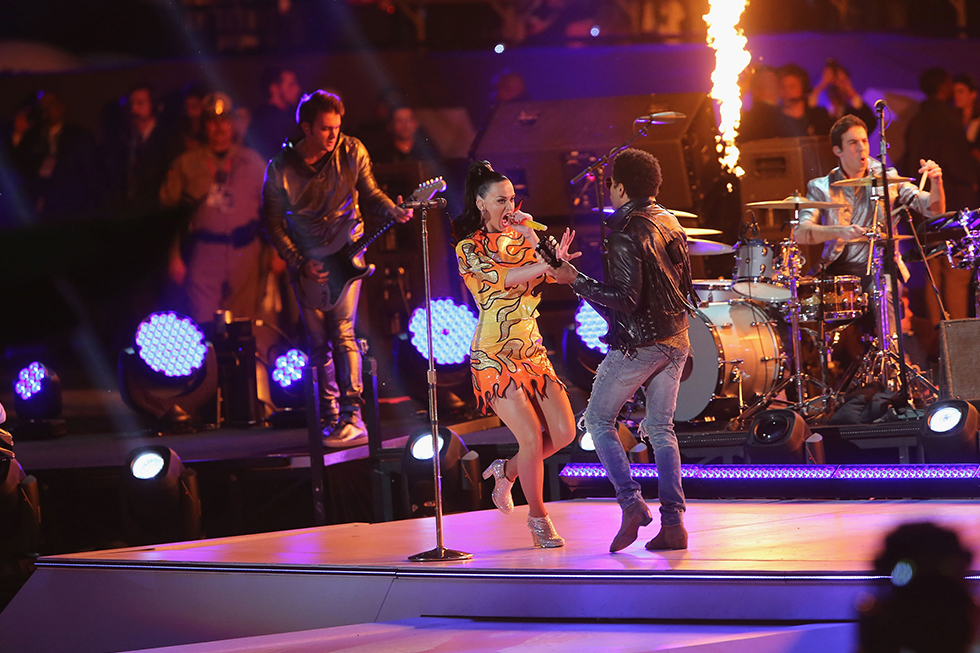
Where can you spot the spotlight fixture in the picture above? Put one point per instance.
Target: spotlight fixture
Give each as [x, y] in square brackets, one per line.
[170, 372]
[591, 327]
[777, 437]
[582, 347]
[582, 448]
[949, 432]
[37, 400]
[286, 389]
[160, 501]
[20, 511]
[453, 326]
[455, 461]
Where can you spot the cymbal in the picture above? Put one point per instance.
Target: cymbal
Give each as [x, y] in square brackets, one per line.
[682, 214]
[870, 181]
[795, 202]
[698, 247]
[700, 231]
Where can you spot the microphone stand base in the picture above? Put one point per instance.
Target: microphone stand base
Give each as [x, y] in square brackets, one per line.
[440, 554]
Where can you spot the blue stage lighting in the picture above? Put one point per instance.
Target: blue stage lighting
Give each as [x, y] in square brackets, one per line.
[171, 344]
[288, 368]
[590, 326]
[594, 31]
[170, 373]
[37, 400]
[453, 326]
[30, 379]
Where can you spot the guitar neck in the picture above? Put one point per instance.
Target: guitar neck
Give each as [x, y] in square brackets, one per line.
[364, 241]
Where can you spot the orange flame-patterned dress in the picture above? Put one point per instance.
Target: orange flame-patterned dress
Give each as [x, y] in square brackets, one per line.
[507, 345]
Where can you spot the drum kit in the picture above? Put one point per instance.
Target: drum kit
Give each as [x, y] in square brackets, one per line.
[738, 364]
[957, 236]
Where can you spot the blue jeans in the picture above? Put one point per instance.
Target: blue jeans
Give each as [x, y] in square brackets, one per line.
[617, 380]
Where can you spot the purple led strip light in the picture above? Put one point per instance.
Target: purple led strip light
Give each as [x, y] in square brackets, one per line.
[840, 472]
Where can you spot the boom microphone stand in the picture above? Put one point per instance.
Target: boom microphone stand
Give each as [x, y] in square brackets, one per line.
[639, 129]
[440, 553]
[889, 259]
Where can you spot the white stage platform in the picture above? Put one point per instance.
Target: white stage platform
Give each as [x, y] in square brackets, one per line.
[751, 564]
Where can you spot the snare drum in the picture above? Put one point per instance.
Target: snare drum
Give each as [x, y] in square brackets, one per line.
[715, 290]
[834, 299]
[729, 336]
[756, 267]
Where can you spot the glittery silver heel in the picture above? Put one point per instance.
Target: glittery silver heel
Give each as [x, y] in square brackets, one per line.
[543, 533]
[502, 485]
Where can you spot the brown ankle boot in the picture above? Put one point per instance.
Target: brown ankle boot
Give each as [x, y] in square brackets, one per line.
[635, 515]
[669, 538]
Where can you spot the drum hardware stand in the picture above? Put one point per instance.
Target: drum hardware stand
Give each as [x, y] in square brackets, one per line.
[792, 261]
[889, 266]
[440, 553]
[881, 362]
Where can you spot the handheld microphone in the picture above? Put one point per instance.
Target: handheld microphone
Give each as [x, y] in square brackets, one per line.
[660, 118]
[537, 226]
[880, 106]
[437, 203]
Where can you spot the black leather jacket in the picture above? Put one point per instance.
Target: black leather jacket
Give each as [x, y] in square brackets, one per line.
[303, 208]
[647, 291]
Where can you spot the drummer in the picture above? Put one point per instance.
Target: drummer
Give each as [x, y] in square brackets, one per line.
[843, 230]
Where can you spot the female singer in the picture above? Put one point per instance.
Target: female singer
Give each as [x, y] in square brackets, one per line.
[511, 371]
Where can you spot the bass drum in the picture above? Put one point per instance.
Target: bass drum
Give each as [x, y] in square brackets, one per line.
[730, 340]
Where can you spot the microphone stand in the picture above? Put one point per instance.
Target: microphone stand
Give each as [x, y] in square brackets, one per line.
[889, 266]
[440, 553]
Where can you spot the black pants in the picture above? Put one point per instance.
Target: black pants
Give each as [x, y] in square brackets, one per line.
[335, 352]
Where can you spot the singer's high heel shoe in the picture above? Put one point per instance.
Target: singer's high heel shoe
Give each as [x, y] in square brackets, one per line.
[543, 533]
[501, 487]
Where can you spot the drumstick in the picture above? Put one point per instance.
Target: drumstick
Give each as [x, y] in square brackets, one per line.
[922, 182]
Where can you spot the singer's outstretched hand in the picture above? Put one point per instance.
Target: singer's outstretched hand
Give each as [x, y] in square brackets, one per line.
[400, 214]
[566, 242]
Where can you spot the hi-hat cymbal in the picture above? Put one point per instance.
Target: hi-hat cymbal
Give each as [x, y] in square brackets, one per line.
[700, 231]
[698, 247]
[870, 181]
[795, 202]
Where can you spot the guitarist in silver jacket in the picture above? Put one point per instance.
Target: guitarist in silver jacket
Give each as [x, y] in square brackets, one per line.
[312, 198]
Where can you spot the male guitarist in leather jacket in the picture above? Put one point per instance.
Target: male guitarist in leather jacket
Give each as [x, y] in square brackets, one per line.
[312, 196]
[645, 298]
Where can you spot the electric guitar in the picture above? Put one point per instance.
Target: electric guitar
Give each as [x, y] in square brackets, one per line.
[547, 247]
[338, 258]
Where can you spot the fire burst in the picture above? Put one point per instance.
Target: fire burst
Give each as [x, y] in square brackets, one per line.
[731, 58]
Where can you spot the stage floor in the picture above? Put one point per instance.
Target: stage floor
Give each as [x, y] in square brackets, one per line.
[777, 562]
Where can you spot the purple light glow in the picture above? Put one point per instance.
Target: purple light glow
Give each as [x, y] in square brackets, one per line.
[768, 471]
[784, 472]
[906, 471]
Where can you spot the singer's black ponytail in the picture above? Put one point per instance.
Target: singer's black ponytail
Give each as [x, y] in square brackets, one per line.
[479, 178]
